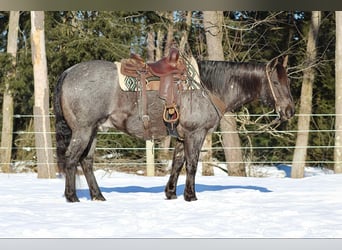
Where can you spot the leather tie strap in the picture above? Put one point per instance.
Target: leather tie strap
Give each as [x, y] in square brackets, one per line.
[219, 105]
[145, 116]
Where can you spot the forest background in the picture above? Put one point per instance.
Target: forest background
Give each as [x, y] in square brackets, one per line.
[75, 36]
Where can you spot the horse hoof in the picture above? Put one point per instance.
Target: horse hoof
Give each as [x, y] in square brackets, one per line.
[72, 199]
[190, 198]
[171, 196]
[99, 198]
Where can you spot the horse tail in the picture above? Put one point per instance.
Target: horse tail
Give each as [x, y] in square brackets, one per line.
[63, 131]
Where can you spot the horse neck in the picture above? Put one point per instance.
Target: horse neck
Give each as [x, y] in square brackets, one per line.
[235, 84]
[244, 88]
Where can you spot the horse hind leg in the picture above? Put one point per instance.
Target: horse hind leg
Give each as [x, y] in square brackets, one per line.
[63, 137]
[177, 164]
[78, 144]
[87, 167]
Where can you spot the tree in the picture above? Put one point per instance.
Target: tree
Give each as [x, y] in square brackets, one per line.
[338, 95]
[46, 167]
[7, 106]
[305, 110]
[76, 36]
[213, 22]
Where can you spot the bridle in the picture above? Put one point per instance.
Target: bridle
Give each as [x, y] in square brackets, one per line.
[269, 71]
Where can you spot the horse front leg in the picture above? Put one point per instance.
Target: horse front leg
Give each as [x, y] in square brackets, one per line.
[192, 148]
[177, 164]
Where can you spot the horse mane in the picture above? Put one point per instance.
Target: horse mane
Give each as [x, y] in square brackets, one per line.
[220, 76]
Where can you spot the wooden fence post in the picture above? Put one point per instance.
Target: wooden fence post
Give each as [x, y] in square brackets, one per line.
[150, 158]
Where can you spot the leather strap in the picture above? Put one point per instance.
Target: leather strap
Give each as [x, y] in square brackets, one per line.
[268, 71]
[219, 105]
[145, 117]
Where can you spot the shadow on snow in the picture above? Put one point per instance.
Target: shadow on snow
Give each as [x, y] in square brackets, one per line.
[84, 193]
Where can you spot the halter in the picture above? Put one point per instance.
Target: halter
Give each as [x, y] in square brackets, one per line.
[277, 120]
[270, 82]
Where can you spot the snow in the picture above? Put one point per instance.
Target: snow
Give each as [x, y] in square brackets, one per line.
[228, 207]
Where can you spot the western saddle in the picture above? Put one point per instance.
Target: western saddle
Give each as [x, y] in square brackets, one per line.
[170, 70]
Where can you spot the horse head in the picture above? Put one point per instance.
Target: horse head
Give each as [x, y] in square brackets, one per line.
[279, 86]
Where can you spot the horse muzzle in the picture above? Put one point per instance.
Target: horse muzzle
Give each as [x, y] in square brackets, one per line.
[287, 113]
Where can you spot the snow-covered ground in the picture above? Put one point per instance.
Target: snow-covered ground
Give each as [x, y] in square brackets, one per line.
[227, 207]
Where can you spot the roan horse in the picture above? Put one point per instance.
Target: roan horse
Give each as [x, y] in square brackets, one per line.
[88, 96]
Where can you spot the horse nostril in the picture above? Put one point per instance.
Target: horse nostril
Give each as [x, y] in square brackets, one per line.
[289, 112]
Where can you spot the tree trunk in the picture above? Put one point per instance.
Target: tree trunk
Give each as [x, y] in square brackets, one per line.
[149, 144]
[185, 32]
[159, 51]
[170, 31]
[300, 152]
[338, 95]
[150, 46]
[213, 21]
[7, 108]
[233, 153]
[46, 167]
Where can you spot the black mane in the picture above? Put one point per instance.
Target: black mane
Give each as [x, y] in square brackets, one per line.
[235, 83]
[220, 75]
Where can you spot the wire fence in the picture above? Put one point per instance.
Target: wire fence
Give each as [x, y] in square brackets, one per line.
[277, 148]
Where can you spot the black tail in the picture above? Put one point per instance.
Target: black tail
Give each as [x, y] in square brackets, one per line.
[63, 131]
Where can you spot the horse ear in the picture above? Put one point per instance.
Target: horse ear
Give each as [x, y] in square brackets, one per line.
[285, 60]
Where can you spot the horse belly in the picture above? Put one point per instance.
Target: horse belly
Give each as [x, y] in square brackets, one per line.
[127, 115]
[155, 126]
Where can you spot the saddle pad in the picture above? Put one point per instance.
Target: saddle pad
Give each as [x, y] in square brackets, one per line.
[128, 83]
[193, 81]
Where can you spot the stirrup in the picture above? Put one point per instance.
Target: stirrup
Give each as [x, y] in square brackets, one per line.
[171, 119]
[170, 114]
